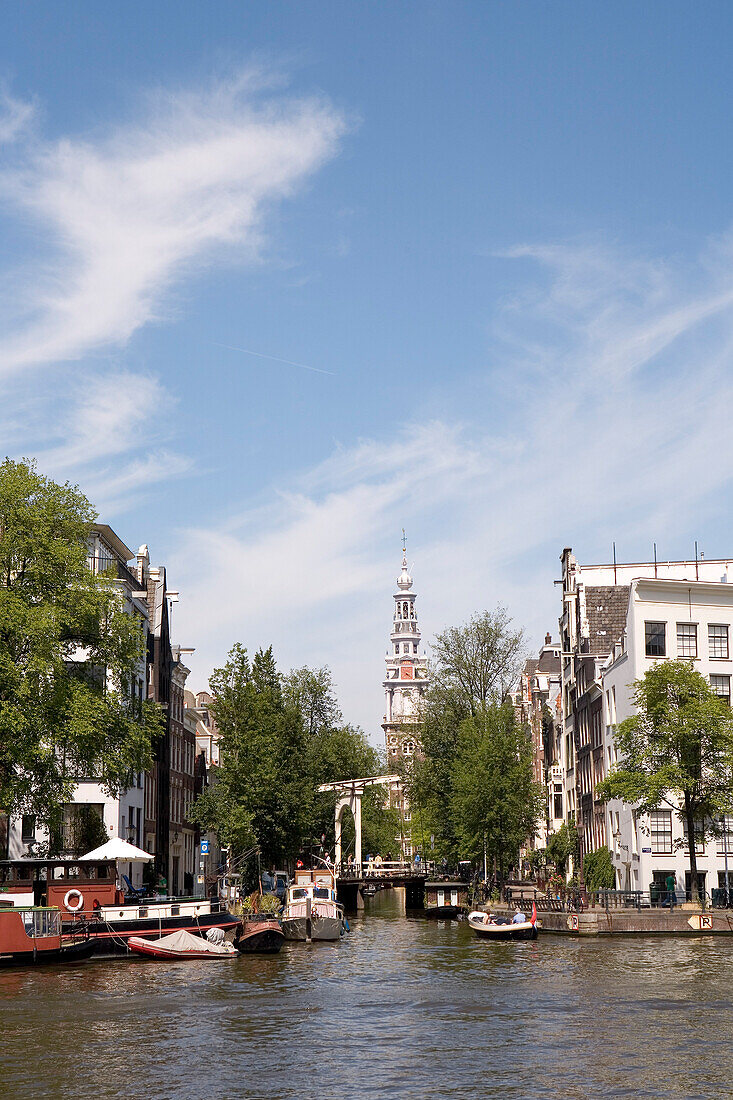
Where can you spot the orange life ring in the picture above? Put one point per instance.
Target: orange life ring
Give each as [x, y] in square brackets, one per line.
[67, 900]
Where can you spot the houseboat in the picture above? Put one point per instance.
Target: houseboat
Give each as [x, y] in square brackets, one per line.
[37, 935]
[88, 892]
[445, 900]
[311, 910]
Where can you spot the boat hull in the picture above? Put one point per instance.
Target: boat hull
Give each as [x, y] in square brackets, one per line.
[527, 930]
[260, 938]
[110, 937]
[322, 928]
[67, 953]
[442, 912]
[151, 950]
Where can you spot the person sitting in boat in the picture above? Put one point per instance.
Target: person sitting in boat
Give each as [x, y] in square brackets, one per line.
[519, 917]
[488, 918]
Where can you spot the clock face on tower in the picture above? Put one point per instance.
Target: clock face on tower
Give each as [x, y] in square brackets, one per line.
[407, 672]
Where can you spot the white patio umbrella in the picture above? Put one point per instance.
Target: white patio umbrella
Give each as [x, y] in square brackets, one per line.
[117, 848]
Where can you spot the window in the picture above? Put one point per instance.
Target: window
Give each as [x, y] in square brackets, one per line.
[721, 686]
[725, 842]
[660, 822]
[655, 639]
[718, 641]
[408, 748]
[414, 647]
[687, 639]
[557, 800]
[28, 827]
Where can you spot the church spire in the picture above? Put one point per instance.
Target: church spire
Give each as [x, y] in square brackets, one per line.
[407, 675]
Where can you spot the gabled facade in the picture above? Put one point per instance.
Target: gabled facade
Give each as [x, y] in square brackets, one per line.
[537, 702]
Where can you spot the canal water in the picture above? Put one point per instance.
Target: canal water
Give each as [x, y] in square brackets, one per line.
[402, 1007]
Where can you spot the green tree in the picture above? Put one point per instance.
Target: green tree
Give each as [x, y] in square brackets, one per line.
[263, 795]
[281, 737]
[676, 750]
[68, 654]
[598, 870]
[477, 662]
[311, 692]
[562, 846]
[344, 753]
[494, 799]
[474, 665]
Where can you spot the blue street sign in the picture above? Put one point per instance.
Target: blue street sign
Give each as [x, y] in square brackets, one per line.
[204, 847]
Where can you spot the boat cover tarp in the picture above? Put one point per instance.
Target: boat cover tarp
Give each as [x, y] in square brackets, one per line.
[186, 941]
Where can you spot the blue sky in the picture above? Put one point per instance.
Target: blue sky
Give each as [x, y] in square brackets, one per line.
[492, 240]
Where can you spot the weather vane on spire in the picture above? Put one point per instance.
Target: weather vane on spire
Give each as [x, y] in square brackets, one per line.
[404, 541]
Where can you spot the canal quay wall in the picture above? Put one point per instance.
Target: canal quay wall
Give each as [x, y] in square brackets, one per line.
[644, 922]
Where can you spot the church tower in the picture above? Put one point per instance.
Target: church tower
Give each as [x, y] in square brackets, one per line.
[407, 674]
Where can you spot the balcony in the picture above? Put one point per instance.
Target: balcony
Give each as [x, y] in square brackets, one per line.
[113, 567]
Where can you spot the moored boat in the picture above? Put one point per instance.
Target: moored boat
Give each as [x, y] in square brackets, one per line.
[445, 899]
[181, 945]
[488, 927]
[311, 909]
[87, 892]
[259, 935]
[29, 936]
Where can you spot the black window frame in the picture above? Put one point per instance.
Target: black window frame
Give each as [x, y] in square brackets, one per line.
[650, 635]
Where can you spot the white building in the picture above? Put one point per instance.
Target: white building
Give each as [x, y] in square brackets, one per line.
[618, 619]
[688, 619]
[121, 816]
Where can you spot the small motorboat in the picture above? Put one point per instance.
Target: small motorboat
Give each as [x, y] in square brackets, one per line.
[181, 945]
[259, 935]
[490, 928]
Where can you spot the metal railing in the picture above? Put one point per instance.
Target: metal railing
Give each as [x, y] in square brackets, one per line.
[385, 869]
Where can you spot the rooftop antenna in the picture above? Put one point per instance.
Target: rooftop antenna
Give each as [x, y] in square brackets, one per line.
[697, 571]
[614, 563]
[655, 561]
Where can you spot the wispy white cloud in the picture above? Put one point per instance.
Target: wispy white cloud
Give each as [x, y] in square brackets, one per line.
[129, 214]
[611, 421]
[16, 116]
[107, 435]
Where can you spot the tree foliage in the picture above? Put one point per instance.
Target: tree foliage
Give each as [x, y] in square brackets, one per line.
[676, 750]
[474, 665]
[562, 846]
[598, 870]
[494, 799]
[68, 654]
[478, 661]
[281, 737]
